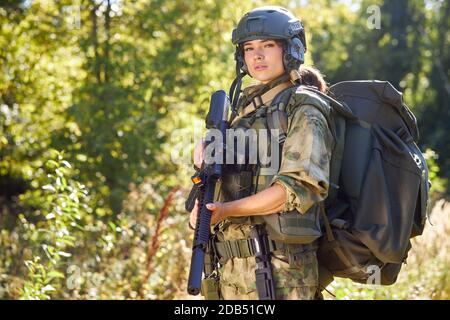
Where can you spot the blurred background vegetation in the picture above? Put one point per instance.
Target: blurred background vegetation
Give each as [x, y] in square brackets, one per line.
[99, 104]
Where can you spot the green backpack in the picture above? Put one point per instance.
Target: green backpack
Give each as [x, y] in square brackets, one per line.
[378, 183]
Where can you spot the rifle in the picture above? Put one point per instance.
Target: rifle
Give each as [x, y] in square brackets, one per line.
[204, 188]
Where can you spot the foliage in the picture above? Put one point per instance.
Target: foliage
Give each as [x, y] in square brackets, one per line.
[62, 210]
[121, 88]
[438, 184]
[53, 217]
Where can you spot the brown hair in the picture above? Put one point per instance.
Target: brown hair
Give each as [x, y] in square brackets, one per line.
[311, 76]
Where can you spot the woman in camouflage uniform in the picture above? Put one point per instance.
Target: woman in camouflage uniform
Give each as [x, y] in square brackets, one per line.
[270, 46]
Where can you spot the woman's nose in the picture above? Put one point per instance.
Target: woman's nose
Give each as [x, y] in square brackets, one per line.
[259, 55]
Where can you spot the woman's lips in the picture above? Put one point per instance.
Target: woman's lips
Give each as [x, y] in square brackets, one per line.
[260, 68]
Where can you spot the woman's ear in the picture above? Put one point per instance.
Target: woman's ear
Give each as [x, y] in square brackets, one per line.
[240, 60]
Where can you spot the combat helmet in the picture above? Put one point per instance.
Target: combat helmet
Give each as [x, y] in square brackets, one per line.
[271, 22]
[268, 22]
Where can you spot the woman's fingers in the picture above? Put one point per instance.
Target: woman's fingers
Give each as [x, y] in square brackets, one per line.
[216, 209]
[199, 153]
[193, 216]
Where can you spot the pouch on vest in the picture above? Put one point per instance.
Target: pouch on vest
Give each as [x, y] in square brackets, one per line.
[210, 289]
[236, 185]
[294, 227]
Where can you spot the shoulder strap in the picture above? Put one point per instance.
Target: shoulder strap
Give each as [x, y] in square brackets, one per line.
[276, 114]
[260, 100]
[339, 107]
[277, 118]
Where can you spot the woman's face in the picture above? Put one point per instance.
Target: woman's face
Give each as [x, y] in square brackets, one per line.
[264, 59]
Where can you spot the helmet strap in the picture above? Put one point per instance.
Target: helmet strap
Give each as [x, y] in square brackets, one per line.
[235, 91]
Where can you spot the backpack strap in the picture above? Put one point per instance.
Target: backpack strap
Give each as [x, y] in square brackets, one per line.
[388, 94]
[260, 100]
[338, 107]
[276, 115]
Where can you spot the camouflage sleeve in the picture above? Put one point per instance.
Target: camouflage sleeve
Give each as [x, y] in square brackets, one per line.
[305, 164]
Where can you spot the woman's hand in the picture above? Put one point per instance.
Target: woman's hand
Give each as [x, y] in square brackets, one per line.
[217, 213]
[193, 215]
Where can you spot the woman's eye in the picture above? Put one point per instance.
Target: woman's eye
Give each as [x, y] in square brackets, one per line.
[269, 45]
[248, 49]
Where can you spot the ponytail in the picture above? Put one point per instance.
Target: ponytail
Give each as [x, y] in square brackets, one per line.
[311, 76]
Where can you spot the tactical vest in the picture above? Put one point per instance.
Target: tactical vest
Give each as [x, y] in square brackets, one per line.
[240, 181]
